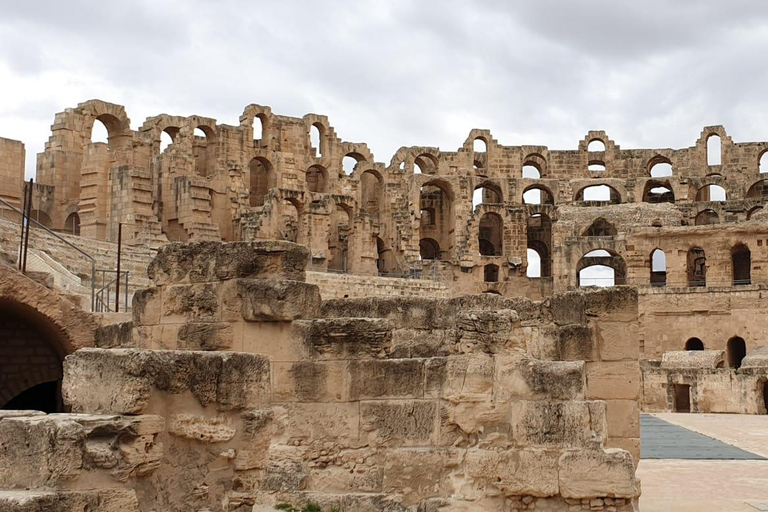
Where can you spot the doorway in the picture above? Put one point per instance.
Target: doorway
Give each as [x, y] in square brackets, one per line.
[682, 398]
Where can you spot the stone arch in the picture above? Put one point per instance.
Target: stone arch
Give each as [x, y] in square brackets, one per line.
[429, 249]
[371, 191]
[659, 167]
[603, 258]
[694, 344]
[317, 179]
[612, 195]
[711, 192]
[600, 227]
[657, 191]
[491, 273]
[487, 192]
[758, 190]
[741, 264]
[706, 217]
[537, 194]
[658, 265]
[539, 240]
[491, 234]
[538, 162]
[696, 267]
[596, 145]
[436, 198]
[261, 179]
[72, 224]
[426, 163]
[38, 328]
[736, 351]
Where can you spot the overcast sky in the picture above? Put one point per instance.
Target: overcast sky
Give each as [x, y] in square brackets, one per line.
[398, 73]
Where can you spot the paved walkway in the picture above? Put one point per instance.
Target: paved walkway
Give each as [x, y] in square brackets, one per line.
[719, 464]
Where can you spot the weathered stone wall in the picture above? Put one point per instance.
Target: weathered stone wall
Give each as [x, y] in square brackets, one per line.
[340, 286]
[11, 171]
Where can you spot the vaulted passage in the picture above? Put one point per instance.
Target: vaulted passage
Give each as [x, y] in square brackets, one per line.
[30, 366]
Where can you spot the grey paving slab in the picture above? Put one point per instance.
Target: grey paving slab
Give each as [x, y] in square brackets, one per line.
[663, 440]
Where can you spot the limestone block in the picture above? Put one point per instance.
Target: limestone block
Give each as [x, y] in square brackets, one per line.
[310, 381]
[576, 343]
[623, 418]
[613, 380]
[202, 262]
[352, 471]
[617, 340]
[343, 338]
[115, 335]
[617, 304]
[518, 376]
[205, 336]
[421, 343]
[467, 377]
[94, 500]
[419, 473]
[468, 422]
[515, 472]
[121, 381]
[488, 330]
[692, 359]
[263, 300]
[182, 302]
[632, 445]
[757, 358]
[391, 378]
[201, 429]
[398, 422]
[307, 423]
[597, 473]
[147, 306]
[556, 424]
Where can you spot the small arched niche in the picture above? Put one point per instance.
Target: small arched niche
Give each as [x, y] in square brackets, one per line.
[694, 344]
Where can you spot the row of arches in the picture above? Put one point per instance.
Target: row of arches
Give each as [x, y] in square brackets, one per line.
[735, 349]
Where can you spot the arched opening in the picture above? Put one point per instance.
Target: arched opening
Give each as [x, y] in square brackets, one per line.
[696, 267]
[436, 200]
[714, 150]
[534, 263]
[758, 190]
[764, 162]
[600, 227]
[372, 193]
[753, 211]
[30, 361]
[259, 122]
[539, 235]
[741, 262]
[72, 224]
[711, 193]
[385, 260]
[537, 195]
[694, 344]
[426, 164]
[316, 179]
[349, 162]
[764, 388]
[736, 351]
[291, 218]
[316, 140]
[99, 132]
[479, 145]
[598, 194]
[661, 169]
[531, 172]
[596, 145]
[491, 235]
[202, 149]
[596, 166]
[429, 249]
[262, 178]
[338, 236]
[658, 192]
[41, 217]
[487, 193]
[658, 268]
[601, 268]
[706, 217]
[682, 397]
[491, 273]
[166, 139]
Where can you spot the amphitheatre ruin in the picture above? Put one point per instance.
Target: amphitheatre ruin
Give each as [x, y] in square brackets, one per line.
[295, 322]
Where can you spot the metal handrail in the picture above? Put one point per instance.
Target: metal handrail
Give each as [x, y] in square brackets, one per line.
[91, 258]
[102, 305]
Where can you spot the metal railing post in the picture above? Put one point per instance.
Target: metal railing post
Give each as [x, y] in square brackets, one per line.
[117, 284]
[26, 235]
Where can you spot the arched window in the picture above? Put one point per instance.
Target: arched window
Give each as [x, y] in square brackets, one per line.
[711, 193]
[707, 217]
[372, 196]
[490, 236]
[534, 263]
[537, 195]
[741, 262]
[426, 164]
[316, 179]
[596, 166]
[349, 162]
[486, 194]
[658, 192]
[261, 180]
[714, 150]
[694, 344]
[596, 145]
[479, 145]
[661, 170]
[99, 132]
[601, 227]
[72, 224]
[531, 172]
[758, 190]
[166, 139]
[697, 267]
[736, 351]
[764, 162]
[598, 194]
[385, 263]
[259, 121]
[436, 197]
[316, 139]
[202, 150]
[429, 249]
[338, 237]
[658, 268]
[491, 273]
[601, 268]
